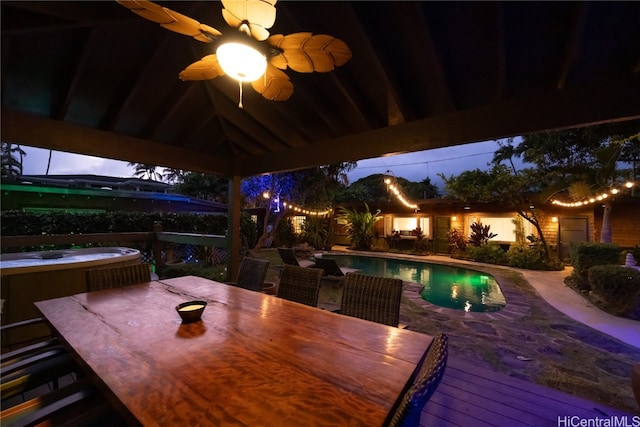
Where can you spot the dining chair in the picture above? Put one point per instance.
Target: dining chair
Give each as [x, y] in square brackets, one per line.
[30, 366]
[372, 298]
[251, 274]
[300, 284]
[430, 372]
[15, 342]
[117, 277]
[79, 404]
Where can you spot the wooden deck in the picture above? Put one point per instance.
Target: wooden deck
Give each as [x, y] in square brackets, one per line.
[468, 396]
[472, 398]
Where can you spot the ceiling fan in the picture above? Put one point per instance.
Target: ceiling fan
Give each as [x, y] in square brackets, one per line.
[249, 53]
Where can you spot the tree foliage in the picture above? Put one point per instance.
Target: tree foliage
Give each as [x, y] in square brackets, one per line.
[313, 188]
[12, 156]
[203, 186]
[146, 171]
[515, 189]
[360, 226]
[373, 189]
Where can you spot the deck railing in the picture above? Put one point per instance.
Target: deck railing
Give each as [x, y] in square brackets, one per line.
[159, 241]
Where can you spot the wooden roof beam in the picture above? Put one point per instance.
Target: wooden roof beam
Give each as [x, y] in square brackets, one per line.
[260, 137]
[576, 29]
[568, 108]
[36, 131]
[440, 85]
[132, 91]
[396, 111]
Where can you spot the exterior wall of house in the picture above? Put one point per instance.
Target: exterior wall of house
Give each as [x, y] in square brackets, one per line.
[625, 221]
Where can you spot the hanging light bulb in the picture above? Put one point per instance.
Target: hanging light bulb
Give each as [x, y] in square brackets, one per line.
[241, 61]
[241, 58]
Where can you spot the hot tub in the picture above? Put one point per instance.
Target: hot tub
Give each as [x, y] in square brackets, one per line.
[27, 277]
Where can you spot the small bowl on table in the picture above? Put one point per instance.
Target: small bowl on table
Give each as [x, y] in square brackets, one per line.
[191, 311]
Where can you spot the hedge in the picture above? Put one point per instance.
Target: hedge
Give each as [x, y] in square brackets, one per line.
[619, 288]
[586, 255]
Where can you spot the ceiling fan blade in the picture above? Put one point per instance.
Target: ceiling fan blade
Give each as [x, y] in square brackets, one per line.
[260, 14]
[205, 69]
[274, 85]
[171, 20]
[305, 52]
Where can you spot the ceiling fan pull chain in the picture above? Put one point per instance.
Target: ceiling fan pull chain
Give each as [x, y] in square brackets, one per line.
[240, 102]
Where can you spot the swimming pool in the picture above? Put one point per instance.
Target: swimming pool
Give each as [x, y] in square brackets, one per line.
[443, 285]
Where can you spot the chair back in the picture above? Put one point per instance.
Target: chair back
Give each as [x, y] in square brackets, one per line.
[117, 277]
[430, 371]
[300, 284]
[330, 266]
[252, 273]
[372, 298]
[288, 256]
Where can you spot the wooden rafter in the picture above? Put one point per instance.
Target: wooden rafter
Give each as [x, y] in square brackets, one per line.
[572, 46]
[614, 101]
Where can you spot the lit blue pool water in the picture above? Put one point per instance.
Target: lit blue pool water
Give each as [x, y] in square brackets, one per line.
[445, 286]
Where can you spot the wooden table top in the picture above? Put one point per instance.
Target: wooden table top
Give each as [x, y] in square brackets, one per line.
[253, 359]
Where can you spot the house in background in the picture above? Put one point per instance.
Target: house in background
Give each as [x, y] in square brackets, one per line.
[561, 225]
[95, 194]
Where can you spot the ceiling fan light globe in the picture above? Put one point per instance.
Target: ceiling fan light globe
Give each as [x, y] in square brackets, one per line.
[241, 62]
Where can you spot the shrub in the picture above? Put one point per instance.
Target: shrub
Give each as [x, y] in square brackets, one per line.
[489, 253]
[17, 223]
[285, 234]
[360, 226]
[531, 257]
[457, 243]
[618, 287]
[480, 234]
[586, 255]
[315, 230]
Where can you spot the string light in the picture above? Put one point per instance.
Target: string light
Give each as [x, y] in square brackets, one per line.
[597, 198]
[396, 191]
[306, 211]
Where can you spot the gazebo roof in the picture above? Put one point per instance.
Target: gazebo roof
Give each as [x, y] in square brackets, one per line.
[94, 78]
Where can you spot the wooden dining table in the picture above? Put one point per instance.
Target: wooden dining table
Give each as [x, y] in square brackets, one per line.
[252, 360]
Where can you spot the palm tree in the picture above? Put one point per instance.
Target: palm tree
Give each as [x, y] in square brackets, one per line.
[49, 162]
[146, 171]
[174, 175]
[603, 176]
[360, 226]
[506, 152]
[12, 156]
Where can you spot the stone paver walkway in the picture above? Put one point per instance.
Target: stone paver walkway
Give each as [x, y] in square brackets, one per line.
[528, 339]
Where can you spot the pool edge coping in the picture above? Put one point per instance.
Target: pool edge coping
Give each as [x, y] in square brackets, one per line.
[516, 304]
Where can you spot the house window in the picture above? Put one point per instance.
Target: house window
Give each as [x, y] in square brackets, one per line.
[297, 221]
[425, 226]
[504, 228]
[405, 225]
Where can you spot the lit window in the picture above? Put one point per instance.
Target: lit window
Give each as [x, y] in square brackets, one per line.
[297, 222]
[504, 228]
